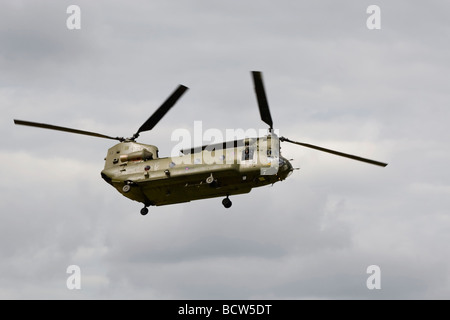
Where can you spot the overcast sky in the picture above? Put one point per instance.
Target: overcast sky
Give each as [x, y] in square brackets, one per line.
[381, 94]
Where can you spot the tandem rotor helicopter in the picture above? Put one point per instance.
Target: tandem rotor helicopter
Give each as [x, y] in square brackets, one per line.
[233, 167]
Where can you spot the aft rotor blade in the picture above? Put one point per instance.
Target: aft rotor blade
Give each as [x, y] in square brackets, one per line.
[342, 154]
[262, 99]
[52, 127]
[162, 110]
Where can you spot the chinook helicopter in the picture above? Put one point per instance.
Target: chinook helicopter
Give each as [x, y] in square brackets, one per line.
[209, 171]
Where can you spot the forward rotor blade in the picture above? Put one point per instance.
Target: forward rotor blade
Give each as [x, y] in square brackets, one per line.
[52, 127]
[262, 99]
[162, 110]
[342, 154]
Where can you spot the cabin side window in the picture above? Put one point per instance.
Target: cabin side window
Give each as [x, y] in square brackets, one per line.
[247, 153]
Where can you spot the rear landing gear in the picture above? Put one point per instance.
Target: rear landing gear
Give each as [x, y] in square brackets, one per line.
[144, 211]
[227, 202]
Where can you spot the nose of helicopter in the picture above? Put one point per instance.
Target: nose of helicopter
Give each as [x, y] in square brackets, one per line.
[284, 168]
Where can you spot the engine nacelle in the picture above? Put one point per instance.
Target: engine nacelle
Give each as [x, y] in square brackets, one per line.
[128, 151]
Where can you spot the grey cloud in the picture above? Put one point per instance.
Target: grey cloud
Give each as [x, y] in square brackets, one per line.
[330, 81]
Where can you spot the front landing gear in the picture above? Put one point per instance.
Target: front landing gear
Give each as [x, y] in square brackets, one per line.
[144, 211]
[227, 202]
[126, 188]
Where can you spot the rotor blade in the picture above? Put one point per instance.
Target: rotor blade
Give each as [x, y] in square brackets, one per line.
[262, 99]
[342, 154]
[162, 110]
[52, 127]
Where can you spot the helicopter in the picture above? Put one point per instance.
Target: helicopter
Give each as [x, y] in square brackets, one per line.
[209, 171]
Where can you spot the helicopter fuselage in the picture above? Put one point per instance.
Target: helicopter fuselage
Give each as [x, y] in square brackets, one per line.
[137, 172]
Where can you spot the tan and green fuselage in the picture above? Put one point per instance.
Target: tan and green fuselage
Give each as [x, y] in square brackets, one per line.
[206, 172]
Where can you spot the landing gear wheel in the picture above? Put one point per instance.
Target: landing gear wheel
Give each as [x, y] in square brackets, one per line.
[144, 211]
[227, 202]
[126, 188]
[210, 179]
